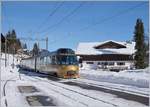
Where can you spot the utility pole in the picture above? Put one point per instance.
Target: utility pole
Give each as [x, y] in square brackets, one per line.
[38, 45]
[13, 56]
[46, 43]
[8, 56]
[5, 51]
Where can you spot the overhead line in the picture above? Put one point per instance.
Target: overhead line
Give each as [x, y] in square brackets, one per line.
[51, 14]
[64, 18]
[106, 19]
[111, 17]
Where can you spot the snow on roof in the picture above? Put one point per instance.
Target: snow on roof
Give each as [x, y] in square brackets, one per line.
[87, 48]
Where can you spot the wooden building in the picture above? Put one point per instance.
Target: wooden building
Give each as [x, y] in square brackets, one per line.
[108, 55]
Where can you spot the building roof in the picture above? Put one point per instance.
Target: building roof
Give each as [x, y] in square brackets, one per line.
[88, 48]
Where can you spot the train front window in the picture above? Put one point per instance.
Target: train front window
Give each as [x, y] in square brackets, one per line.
[67, 60]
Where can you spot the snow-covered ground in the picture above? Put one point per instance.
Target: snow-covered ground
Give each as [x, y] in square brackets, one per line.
[61, 94]
[138, 78]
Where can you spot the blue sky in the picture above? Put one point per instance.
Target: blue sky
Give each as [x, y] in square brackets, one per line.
[91, 22]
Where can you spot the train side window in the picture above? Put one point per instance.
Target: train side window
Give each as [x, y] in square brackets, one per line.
[41, 61]
[49, 60]
[45, 60]
[53, 60]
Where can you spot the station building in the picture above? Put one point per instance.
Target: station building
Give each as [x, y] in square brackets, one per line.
[108, 55]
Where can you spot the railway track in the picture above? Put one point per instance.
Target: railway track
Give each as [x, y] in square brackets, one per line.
[128, 95]
[70, 97]
[73, 91]
[114, 88]
[58, 92]
[101, 86]
[135, 96]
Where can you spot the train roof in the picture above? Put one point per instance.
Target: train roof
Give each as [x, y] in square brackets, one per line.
[42, 53]
[63, 51]
[60, 51]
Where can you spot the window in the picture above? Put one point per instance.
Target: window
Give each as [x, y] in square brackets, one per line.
[49, 60]
[99, 63]
[41, 61]
[110, 63]
[89, 62]
[104, 63]
[53, 60]
[45, 60]
[67, 60]
[120, 63]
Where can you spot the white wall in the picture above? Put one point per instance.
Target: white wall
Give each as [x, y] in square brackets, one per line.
[128, 65]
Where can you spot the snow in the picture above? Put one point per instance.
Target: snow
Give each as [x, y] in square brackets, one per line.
[66, 95]
[8, 71]
[87, 48]
[137, 79]
[61, 92]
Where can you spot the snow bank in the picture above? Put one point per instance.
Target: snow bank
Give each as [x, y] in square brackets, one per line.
[138, 78]
[8, 71]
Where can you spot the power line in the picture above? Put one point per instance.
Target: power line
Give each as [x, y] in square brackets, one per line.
[54, 41]
[40, 26]
[51, 14]
[64, 18]
[32, 39]
[111, 17]
[106, 19]
[56, 8]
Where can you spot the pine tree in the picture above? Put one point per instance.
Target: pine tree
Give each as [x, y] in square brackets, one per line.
[13, 43]
[2, 43]
[35, 53]
[18, 44]
[140, 46]
[147, 50]
[25, 46]
[35, 49]
[13, 34]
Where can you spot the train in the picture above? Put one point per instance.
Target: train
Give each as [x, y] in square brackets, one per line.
[62, 63]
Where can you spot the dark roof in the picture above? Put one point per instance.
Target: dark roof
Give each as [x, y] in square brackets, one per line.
[110, 44]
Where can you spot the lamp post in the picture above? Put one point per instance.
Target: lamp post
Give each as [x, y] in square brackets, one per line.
[13, 55]
[5, 52]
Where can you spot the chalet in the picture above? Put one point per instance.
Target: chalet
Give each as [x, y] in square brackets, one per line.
[109, 55]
